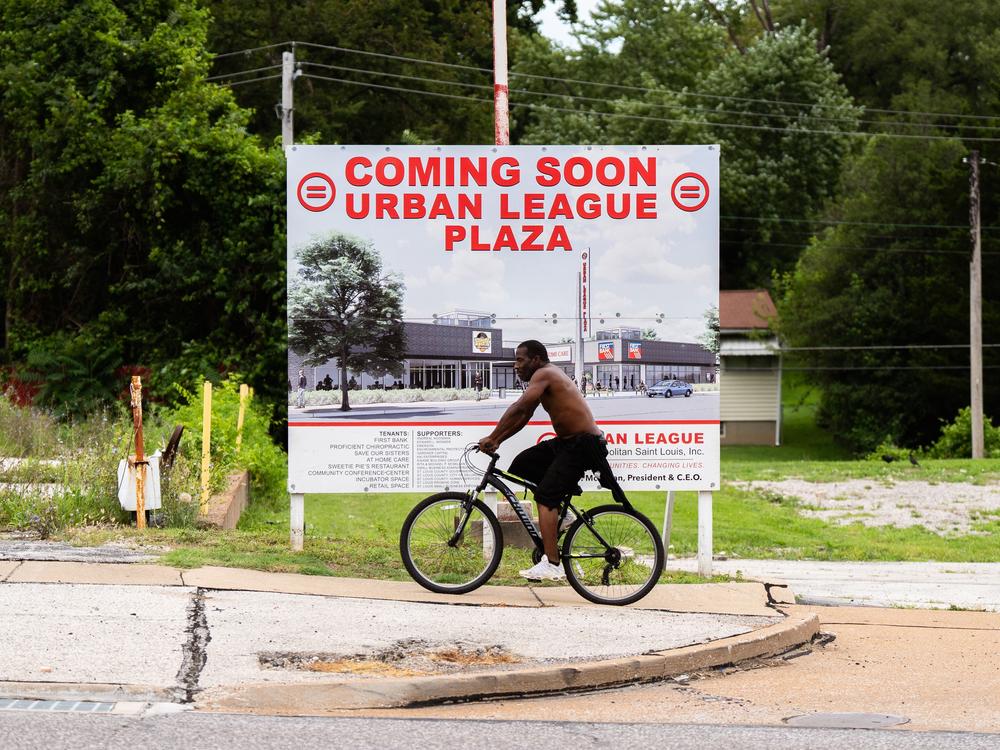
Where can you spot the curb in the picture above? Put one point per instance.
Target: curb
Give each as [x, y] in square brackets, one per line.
[87, 691]
[316, 698]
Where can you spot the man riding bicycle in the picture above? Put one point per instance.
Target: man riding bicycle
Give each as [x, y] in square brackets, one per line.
[555, 466]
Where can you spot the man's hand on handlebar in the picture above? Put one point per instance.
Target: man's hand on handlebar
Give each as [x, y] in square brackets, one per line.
[488, 445]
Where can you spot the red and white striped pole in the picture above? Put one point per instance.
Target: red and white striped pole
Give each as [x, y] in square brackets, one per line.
[501, 120]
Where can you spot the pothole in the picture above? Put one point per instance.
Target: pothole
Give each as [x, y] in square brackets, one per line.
[409, 657]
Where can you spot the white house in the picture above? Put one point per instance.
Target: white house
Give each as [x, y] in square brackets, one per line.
[750, 378]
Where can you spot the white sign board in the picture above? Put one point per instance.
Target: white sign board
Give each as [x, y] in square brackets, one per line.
[497, 235]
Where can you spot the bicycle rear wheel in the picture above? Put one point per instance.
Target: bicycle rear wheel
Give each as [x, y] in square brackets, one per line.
[449, 544]
[618, 561]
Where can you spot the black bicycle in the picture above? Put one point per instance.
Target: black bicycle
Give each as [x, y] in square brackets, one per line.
[451, 542]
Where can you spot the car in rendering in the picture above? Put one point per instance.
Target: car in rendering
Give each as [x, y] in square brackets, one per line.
[668, 388]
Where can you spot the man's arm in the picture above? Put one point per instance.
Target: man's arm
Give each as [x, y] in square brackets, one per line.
[517, 415]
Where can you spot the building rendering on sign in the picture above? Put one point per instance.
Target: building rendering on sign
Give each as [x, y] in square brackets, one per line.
[456, 347]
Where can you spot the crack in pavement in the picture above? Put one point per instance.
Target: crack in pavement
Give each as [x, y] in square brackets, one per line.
[195, 649]
[13, 570]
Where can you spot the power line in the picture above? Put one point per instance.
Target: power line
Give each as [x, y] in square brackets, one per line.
[252, 80]
[242, 72]
[852, 248]
[398, 88]
[875, 347]
[622, 115]
[852, 368]
[625, 87]
[837, 222]
[604, 100]
[251, 49]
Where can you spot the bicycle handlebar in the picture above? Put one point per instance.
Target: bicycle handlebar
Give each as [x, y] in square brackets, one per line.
[494, 457]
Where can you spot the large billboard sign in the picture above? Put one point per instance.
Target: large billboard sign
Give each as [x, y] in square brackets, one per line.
[421, 268]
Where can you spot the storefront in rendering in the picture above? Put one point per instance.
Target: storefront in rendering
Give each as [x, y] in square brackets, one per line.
[443, 355]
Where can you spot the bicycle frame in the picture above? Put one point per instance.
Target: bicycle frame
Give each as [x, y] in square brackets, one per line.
[493, 477]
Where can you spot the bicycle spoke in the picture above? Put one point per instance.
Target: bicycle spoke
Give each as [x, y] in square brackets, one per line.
[436, 563]
[623, 567]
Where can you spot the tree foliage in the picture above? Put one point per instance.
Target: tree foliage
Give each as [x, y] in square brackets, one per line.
[894, 291]
[139, 221]
[342, 306]
[779, 165]
[367, 103]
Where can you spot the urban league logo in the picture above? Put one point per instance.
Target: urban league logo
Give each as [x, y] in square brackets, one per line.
[316, 191]
[689, 192]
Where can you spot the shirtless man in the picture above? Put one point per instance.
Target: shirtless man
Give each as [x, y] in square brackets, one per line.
[556, 465]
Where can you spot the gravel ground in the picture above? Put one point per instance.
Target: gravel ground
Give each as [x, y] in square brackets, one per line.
[945, 508]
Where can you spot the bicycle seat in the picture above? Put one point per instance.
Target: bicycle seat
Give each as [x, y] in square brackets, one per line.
[577, 491]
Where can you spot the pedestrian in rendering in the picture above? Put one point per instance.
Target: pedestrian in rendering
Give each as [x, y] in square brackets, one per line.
[617, 384]
[300, 397]
[479, 385]
[554, 465]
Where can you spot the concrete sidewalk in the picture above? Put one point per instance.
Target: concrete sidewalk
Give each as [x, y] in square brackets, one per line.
[237, 639]
[927, 585]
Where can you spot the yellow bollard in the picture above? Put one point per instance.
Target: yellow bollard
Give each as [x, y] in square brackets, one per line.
[206, 444]
[244, 395]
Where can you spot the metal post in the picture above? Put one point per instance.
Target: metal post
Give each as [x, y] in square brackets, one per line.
[777, 421]
[206, 443]
[975, 310]
[287, 76]
[140, 458]
[705, 534]
[244, 395]
[501, 119]
[490, 498]
[297, 520]
[578, 363]
[668, 524]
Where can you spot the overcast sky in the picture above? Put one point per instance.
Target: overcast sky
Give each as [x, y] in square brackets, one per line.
[555, 28]
[640, 268]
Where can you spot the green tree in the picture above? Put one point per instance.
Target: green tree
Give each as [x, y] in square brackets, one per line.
[911, 54]
[139, 222]
[783, 165]
[884, 296]
[710, 338]
[342, 306]
[779, 164]
[649, 334]
[353, 108]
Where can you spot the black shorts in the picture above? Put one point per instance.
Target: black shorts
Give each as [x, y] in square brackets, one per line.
[556, 466]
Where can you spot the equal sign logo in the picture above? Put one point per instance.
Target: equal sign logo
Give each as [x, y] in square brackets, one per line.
[689, 191]
[316, 191]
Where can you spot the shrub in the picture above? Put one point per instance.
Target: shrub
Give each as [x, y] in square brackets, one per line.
[267, 463]
[956, 437]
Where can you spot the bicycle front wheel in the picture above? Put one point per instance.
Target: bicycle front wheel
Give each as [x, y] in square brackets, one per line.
[449, 544]
[616, 559]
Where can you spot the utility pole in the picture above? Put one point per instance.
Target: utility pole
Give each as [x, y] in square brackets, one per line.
[975, 309]
[501, 118]
[287, 76]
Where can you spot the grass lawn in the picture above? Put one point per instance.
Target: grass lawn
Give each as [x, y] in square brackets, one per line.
[357, 535]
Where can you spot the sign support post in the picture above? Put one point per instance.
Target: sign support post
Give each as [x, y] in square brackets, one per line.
[705, 533]
[297, 520]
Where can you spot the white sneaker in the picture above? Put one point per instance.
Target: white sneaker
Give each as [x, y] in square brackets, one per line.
[568, 521]
[544, 571]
